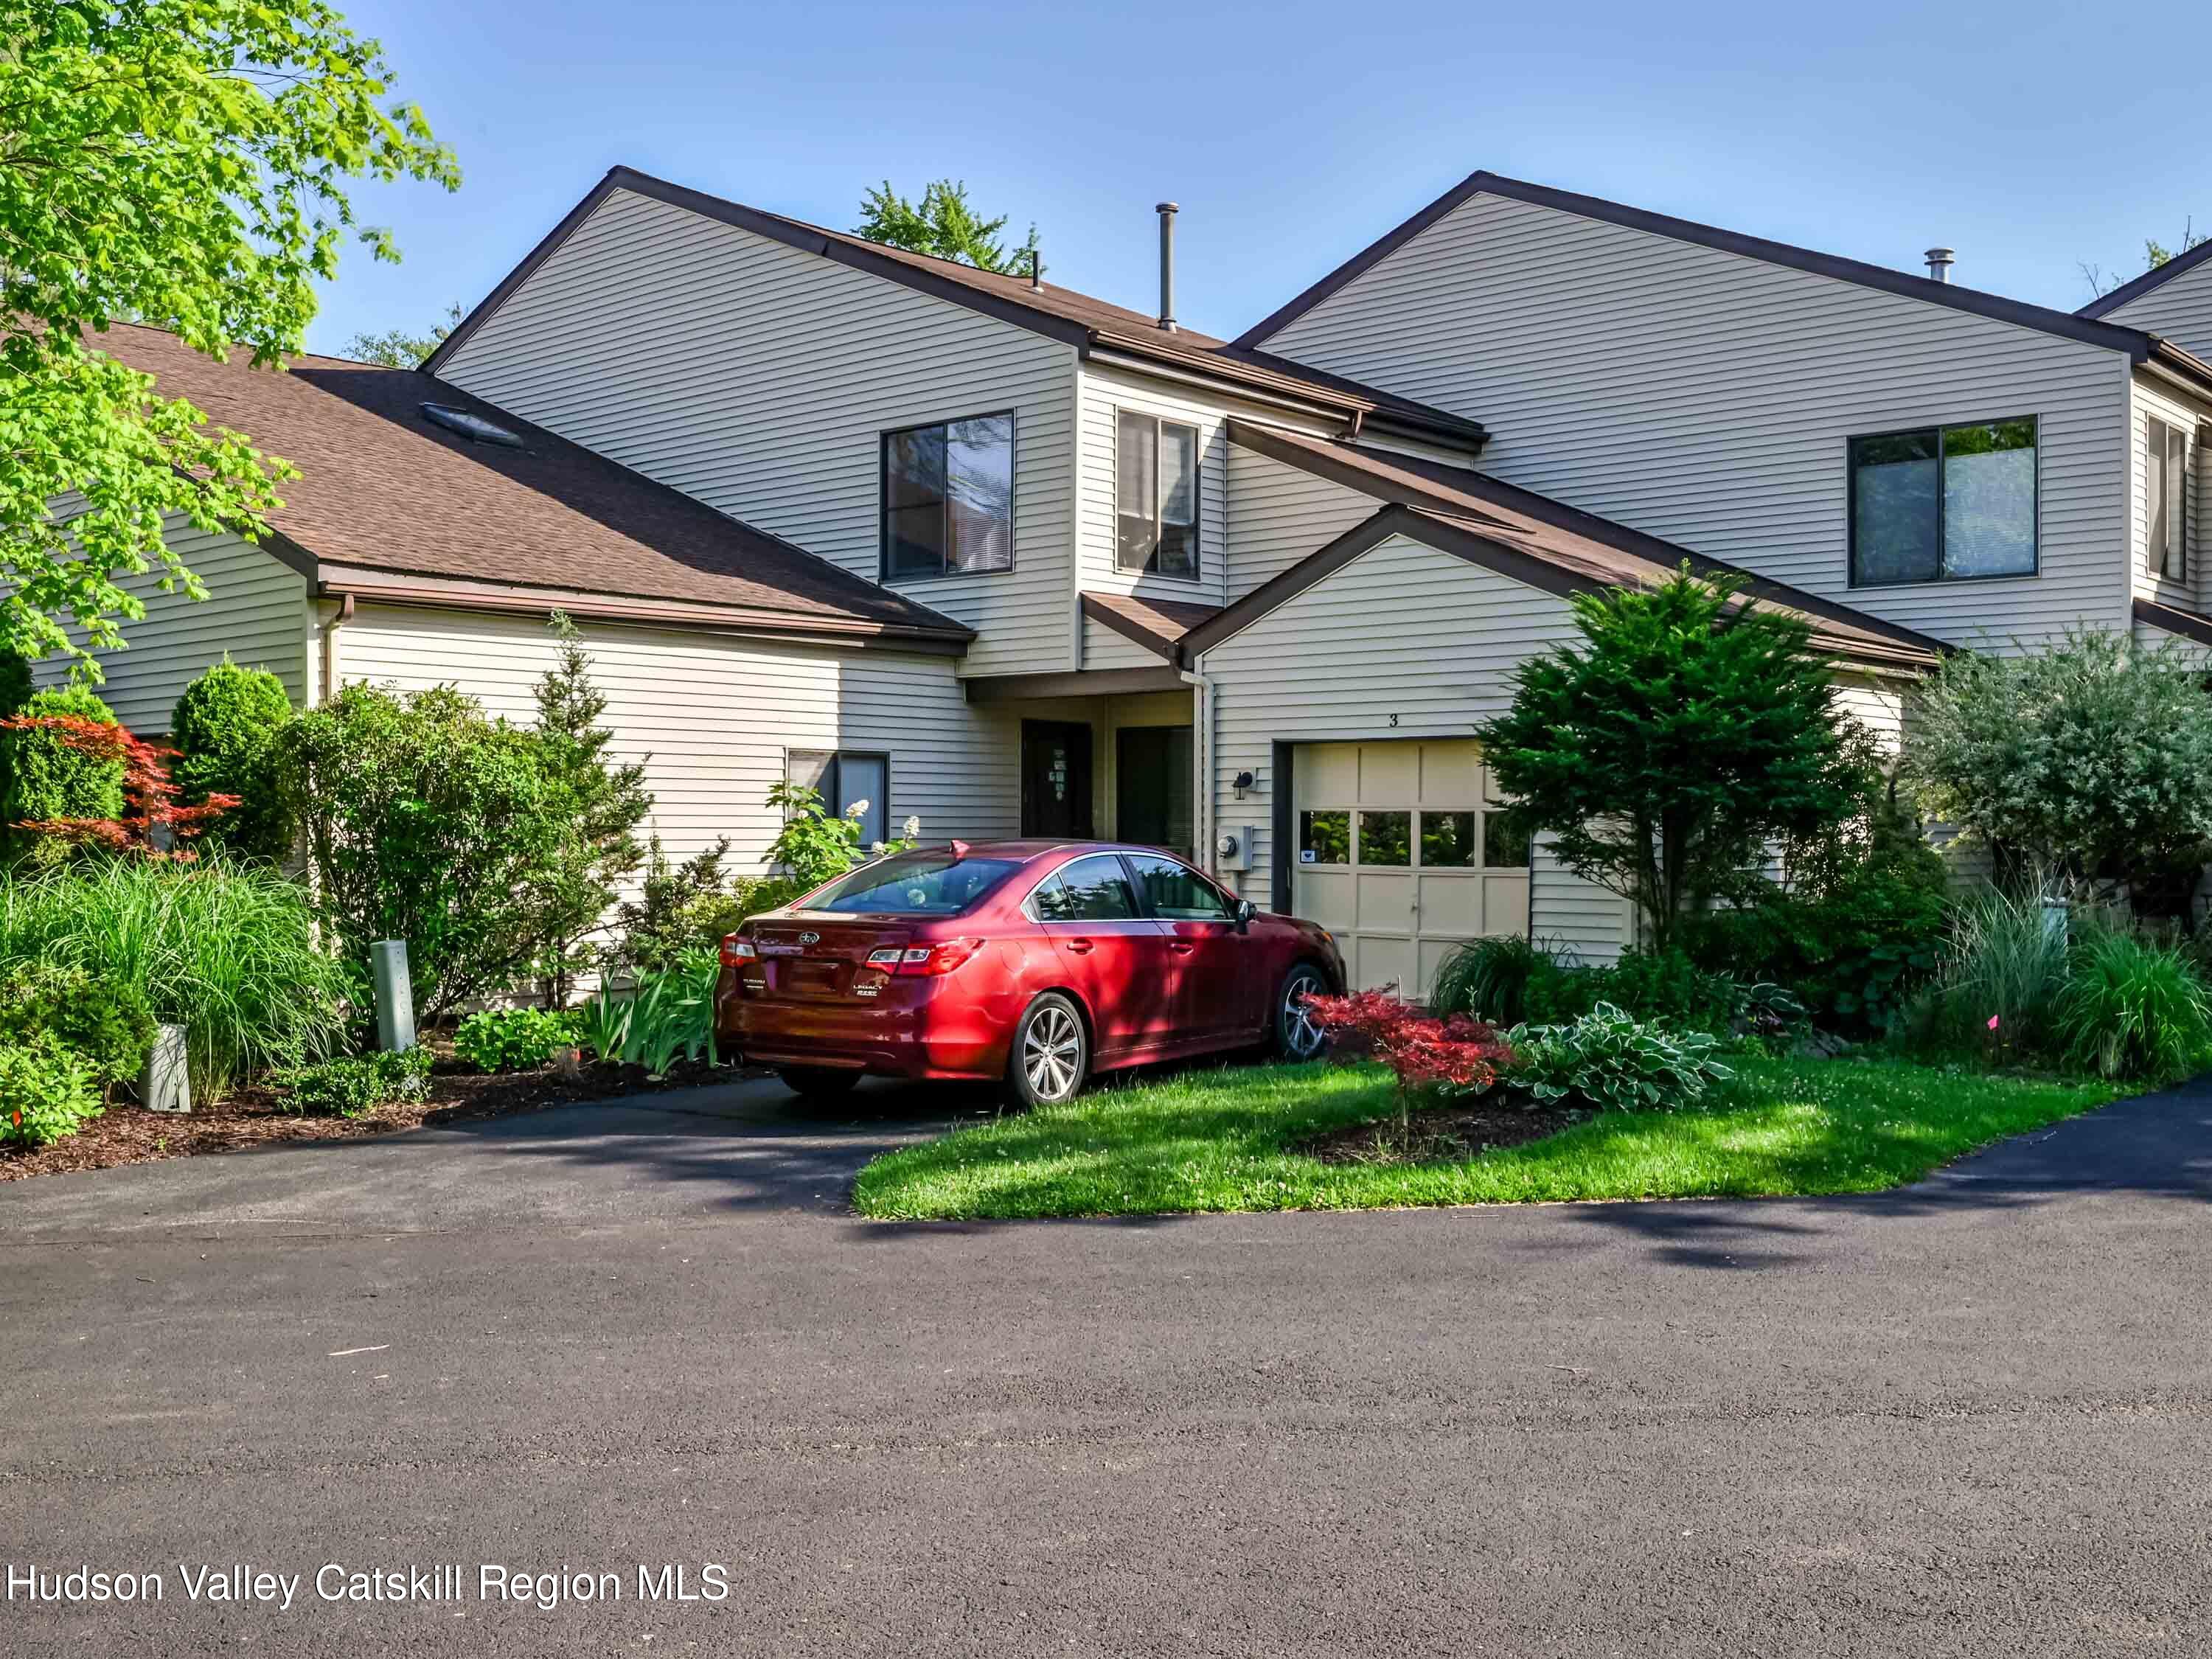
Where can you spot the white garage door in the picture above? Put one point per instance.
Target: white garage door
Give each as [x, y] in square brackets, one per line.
[1403, 852]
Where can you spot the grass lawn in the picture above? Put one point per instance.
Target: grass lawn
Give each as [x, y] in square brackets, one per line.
[1218, 1140]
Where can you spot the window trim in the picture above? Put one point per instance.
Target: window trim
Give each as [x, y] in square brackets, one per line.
[1160, 422]
[1852, 505]
[836, 754]
[883, 436]
[2177, 497]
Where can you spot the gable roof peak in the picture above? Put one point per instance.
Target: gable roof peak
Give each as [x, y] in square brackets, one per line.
[2081, 326]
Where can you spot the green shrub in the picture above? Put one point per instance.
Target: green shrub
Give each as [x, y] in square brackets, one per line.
[1667, 985]
[43, 778]
[2132, 1008]
[513, 1039]
[45, 1092]
[229, 953]
[226, 725]
[1615, 1061]
[107, 1023]
[352, 1084]
[1854, 935]
[427, 820]
[1488, 978]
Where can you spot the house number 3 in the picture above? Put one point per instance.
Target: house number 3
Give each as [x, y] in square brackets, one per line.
[1393, 719]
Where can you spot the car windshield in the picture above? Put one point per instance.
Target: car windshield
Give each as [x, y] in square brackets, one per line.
[925, 883]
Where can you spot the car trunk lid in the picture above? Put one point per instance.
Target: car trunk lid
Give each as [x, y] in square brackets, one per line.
[810, 960]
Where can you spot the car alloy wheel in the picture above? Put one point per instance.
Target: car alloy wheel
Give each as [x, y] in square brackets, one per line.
[1300, 1033]
[1052, 1052]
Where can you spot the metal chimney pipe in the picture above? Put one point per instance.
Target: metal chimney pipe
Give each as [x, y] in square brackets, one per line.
[1167, 210]
[1037, 271]
[1940, 261]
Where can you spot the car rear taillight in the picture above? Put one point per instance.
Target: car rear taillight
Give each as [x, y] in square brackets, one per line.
[928, 961]
[736, 949]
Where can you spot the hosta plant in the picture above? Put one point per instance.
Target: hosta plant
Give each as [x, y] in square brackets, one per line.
[1616, 1061]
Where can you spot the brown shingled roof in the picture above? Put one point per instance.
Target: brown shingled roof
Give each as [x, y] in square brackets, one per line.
[1093, 326]
[383, 489]
[1530, 537]
[1156, 624]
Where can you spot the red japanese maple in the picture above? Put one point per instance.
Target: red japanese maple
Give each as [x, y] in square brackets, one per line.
[1421, 1049]
[153, 825]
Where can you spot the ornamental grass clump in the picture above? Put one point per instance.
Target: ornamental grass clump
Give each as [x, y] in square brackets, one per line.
[2132, 1008]
[230, 954]
[1424, 1053]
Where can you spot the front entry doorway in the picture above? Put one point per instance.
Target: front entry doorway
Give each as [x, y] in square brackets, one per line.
[1056, 781]
[1153, 787]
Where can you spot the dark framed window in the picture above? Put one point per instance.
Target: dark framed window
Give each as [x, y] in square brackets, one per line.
[1155, 496]
[1095, 889]
[948, 505]
[1944, 503]
[844, 778]
[2165, 499]
[1174, 891]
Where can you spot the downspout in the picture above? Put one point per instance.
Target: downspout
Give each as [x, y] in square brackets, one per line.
[339, 618]
[1202, 797]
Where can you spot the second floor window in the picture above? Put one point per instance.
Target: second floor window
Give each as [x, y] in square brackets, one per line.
[949, 498]
[2165, 499]
[1944, 503]
[1156, 496]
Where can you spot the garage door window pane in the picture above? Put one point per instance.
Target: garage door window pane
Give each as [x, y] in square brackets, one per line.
[1447, 840]
[1386, 838]
[1505, 841]
[1325, 837]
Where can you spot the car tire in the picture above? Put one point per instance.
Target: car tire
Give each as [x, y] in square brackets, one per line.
[818, 1083]
[1296, 1036]
[1050, 1055]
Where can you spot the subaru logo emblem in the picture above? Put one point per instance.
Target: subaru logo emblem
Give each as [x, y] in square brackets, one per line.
[810, 939]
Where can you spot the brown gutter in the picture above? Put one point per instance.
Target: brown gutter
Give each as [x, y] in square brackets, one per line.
[380, 587]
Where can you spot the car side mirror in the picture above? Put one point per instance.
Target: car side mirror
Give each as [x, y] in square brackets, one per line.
[1245, 911]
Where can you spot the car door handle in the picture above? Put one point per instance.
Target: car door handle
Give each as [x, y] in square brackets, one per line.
[1180, 947]
[1081, 946]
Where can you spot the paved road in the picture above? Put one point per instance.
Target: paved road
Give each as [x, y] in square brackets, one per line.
[1975, 1418]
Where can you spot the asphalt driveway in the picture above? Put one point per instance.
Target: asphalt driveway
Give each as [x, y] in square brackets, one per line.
[1971, 1418]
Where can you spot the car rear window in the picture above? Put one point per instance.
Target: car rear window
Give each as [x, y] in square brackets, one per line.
[925, 884]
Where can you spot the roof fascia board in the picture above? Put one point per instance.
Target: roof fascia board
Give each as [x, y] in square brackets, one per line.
[1083, 683]
[2066, 325]
[2105, 304]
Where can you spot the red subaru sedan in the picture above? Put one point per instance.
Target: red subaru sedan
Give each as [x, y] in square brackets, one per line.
[1030, 962]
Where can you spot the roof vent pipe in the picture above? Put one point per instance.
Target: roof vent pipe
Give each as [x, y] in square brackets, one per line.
[1167, 210]
[1940, 261]
[1037, 271]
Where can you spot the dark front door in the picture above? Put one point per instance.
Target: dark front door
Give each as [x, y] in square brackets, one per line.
[1056, 779]
[1152, 786]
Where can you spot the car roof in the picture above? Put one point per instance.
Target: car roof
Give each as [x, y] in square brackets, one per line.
[1038, 848]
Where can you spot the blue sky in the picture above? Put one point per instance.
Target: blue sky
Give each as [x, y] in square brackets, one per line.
[2031, 137]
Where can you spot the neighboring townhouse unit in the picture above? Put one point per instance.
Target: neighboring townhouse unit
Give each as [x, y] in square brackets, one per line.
[982, 549]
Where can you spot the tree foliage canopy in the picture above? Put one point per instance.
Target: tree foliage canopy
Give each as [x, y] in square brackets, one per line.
[943, 224]
[181, 162]
[2092, 759]
[1685, 731]
[398, 349]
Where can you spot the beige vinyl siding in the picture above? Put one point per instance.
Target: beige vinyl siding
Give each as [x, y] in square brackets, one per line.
[2180, 308]
[1278, 515]
[1104, 648]
[715, 716]
[1402, 643]
[1876, 702]
[1576, 920]
[2152, 400]
[256, 610]
[1708, 397]
[759, 378]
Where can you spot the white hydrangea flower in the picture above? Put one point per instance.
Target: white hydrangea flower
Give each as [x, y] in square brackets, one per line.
[878, 848]
[911, 829]
[859, 809]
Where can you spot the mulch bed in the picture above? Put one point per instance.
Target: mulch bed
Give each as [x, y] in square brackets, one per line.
[127, 1133]
[1445, 1134]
